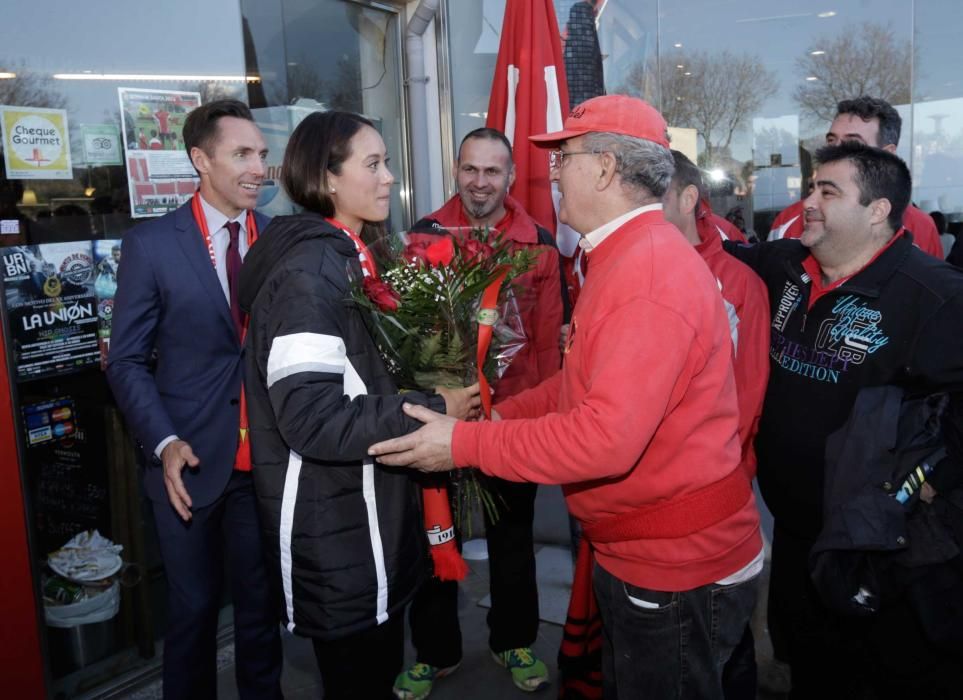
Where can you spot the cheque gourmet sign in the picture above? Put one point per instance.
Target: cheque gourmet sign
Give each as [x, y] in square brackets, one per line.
[36, 144]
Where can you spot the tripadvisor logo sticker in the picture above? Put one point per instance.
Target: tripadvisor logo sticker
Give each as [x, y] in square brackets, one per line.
[36, 143]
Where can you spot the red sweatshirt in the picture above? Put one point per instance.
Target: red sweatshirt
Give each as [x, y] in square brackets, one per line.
[747, 305]
[643, 411]
[789, 224]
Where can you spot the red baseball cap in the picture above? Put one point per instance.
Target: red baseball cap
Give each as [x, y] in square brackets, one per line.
[616, 114]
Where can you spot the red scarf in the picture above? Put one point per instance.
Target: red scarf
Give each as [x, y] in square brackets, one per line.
[242, 458]
[449, 565]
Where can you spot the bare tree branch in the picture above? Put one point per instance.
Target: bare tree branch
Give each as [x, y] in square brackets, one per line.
[712, 93]
[29, 89]
[868, 60]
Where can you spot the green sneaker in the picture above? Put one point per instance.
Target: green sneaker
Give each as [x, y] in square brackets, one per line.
[416, 682]
[528, 671]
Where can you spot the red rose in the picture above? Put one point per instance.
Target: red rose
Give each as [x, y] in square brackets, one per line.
[415, 252]
[384, 297]
[472, 249]
[441, 252]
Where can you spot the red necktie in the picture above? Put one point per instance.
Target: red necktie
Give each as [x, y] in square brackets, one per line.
[233, 261]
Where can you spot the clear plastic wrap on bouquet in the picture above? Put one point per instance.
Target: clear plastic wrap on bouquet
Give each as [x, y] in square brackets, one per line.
[509, 337]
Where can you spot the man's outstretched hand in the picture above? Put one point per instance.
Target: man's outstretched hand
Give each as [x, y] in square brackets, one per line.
[427, 449]
[176, 455]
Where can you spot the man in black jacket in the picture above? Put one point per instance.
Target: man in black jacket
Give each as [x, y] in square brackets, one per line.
[854, 304]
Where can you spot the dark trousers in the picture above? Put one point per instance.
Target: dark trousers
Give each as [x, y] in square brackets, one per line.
[513, 617]
[658, 644]
[362, 666]
[193, 555]
[740, 675]
[831, 656]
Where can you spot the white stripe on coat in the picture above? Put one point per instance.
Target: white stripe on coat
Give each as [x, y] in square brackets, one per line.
[355, 386]
[305, 352]
[288, 500]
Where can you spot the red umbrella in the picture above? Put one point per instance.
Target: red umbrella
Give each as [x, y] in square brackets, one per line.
[527, 97]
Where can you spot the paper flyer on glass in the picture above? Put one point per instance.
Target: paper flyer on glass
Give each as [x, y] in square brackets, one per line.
[51, 420]
[106, 262]
[36, 143]
[49, 293]
[101, 144]
[160, 176]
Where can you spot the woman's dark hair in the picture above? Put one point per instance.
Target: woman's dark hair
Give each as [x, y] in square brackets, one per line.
[319, 145]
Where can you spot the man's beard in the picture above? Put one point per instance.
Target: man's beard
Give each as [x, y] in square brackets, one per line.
[480, 210]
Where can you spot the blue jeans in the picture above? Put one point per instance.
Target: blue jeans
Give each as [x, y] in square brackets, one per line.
[665, 645]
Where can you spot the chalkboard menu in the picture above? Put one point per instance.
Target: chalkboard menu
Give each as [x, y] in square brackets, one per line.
[69, 479]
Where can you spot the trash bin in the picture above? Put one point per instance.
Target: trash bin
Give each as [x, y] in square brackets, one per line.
[83, 632]
[74, 648]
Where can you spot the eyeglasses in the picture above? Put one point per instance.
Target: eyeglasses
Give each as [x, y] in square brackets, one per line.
[556, 158]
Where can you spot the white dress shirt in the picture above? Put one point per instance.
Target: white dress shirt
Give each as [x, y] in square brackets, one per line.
[594, 238]
[216, 225]
[216, 222]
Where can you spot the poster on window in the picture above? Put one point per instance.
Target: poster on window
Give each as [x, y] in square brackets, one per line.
[160, 176]
[52, 306]
[106, 262]
[36, 144]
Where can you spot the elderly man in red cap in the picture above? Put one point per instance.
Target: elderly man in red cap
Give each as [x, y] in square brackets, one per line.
[640, 426]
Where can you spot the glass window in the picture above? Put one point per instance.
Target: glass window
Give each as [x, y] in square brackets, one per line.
[78, 461]
[114, 85]
[749, 87]
[87, 55]
[474, 30]
[326, 55]
[937, 135]
[758, 83]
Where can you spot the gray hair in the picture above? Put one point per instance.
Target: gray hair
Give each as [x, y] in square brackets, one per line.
[644, 166]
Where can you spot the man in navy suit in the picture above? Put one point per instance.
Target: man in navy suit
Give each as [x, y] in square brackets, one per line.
[175, 369]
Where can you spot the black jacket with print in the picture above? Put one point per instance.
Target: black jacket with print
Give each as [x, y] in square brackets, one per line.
[898, 321]
[343, 535]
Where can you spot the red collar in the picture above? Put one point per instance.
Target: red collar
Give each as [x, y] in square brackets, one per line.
[368, 266]
[516, 225]
[710, 240]
[815, 272]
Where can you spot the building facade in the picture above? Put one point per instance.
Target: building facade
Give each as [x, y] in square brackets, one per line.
[91, 99]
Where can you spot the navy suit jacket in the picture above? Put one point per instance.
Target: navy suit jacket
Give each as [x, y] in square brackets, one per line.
[169, 301]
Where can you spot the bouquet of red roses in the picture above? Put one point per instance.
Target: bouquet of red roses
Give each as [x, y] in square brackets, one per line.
[443, 313]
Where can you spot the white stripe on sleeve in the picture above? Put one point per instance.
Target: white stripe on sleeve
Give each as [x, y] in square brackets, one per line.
[305, 352]
[288, 501]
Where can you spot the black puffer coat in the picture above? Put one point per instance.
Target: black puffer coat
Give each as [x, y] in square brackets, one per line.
[346, 547]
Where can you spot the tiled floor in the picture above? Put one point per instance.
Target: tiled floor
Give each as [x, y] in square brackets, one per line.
[478, 677]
